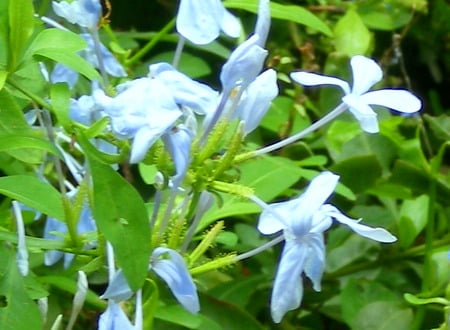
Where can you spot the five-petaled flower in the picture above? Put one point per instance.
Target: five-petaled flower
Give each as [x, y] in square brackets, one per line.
[366, 73]
[303, 221]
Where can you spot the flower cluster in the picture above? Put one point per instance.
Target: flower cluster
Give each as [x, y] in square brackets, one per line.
[192, 133]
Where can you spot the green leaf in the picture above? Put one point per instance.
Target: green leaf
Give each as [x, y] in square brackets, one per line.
[62, 46]
[13, 141]
[11, 117]
[60, 96]
[358, 293]
[413, 218]
[21, 26]
[227, 315]
[383, 315]
[20, 311]
[418, 181]
[295, 14]
[3, 76]
[385, 15]
[191, 65]
[121, 216]
[351, 36]
[367, 167]
[34, 193]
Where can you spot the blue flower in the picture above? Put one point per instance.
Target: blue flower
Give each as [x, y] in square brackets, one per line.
[85, 13]
[366, 73]
[201, 21]
[114, 318]
[143, 110]
[303, 221]
[170, 266]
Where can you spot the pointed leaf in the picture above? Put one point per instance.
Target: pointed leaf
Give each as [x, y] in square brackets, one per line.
[33, 193]
[21, 26]
[121, 216]
[14, 296]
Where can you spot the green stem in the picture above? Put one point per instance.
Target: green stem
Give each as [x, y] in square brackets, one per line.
[152, 42]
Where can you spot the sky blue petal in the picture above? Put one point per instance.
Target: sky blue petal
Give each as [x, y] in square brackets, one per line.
[377, 234]
[263, 22]
[185, 91]
[199, 21]
[175, 273]
[256, 99]
[85, 13]
[114, 318]
[230, 25]
[314, 79]
[315, 262]
[118, 289]
[62, 73]
[178, 143]
[276, 217]
[366, 117]
[396, 99]
[366, 73]
[110, 63]
[243, 65]
[288, 287]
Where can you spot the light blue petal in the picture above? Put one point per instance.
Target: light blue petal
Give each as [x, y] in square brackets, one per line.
[198, 21]
[314, 79]
[366, 73]
[85, 13]
[288, 287]
[118, 289]
[110, 63]
[174, 272]
[263, 22]
[243, 65]
[142, 141]
[376, 234]
[230, 25]
[315, 262]
[114, 318]
[399, 100]
[276, 217]
[186, 92]
[178, 143]
[318, 191]
[62, 73]
[256, 99]
[366, 117]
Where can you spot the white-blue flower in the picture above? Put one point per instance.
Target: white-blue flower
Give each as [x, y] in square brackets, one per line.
[114, 318]
[143, 110]
[85, 13]
[303, 221]
[200, 22]
[366, 73]
[170, 266]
